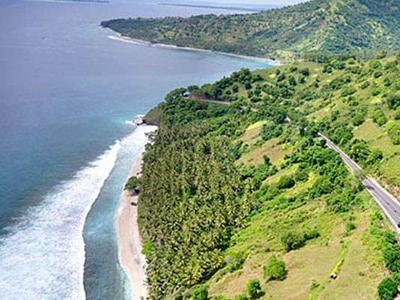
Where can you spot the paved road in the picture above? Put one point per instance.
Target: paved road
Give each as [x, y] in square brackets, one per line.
[386, 201]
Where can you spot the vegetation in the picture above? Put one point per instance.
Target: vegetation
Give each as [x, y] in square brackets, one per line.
[132, 184]
[387, 289]
[275, 269]
[312, 28]
[227, 189]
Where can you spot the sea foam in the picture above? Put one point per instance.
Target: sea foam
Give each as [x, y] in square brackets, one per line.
[43, 257]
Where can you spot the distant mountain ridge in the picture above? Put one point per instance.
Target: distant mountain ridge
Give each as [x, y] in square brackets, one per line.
[329, 26]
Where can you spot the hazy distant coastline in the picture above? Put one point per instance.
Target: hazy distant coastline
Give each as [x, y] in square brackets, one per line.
[238, 8]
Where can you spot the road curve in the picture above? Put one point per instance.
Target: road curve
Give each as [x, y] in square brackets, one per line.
[386, 201]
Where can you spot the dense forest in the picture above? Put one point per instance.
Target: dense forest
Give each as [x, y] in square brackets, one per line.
[328, 26]
[242, 201]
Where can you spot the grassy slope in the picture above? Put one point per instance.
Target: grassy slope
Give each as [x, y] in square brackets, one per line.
[309, 267]
[358, 252]
[320, 25]
[376, 136]
[335, 98]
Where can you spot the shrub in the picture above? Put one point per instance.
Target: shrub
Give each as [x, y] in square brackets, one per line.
[379, 117]
[378, 74]
[281, 77]
[393, 130]
[301, 175]
[305, 72]
[357, 119]
[391, 256]
[350, 227]
[375, 91]
[275, 269]
[254, 289]
[235, 261]
[397, 114]
[348, 90]
[387, 289]
[241, 297]
[132, 184]
[364, 85]
[247, 86]
[292, 241]
[286, 182]
[200, 293]
[393, 101]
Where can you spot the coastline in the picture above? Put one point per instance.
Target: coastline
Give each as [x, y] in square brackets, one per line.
[131, 259]
[119, 37]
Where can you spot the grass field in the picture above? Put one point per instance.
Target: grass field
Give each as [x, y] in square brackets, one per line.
[355, 256]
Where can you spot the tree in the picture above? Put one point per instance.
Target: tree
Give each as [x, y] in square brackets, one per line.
[393, 130]
[391, 256]
[393, 101]
[200, 293]
[275, 269]
[292, 241]
[378, 116]
[387, 289]
[254, 289]
[305, 72]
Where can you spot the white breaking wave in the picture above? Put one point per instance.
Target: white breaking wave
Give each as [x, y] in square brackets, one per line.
[44, 256]
[126, 40]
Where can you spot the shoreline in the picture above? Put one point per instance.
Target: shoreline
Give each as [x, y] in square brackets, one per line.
[119, 37]
[130, 256]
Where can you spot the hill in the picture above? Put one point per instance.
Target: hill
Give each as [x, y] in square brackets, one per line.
[242, 200]
[327, 26]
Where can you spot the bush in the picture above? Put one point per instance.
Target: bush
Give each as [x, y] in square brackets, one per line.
[254, 289]
[375, 91]
[286, 182]
[379, 117]
[200, 293]
[391, 256]
[393, 101]
[132, 184]
[393, 131]
[378, 74]
[301, 175]
[275, 269]
[292, 241]
[241, 297]
[387, 289]
[348, 90]
[305, 72]
[350, 227]
[397, 114]
[235, 261]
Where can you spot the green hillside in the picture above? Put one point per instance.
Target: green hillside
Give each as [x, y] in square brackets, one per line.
[243, 201]
[333, 26]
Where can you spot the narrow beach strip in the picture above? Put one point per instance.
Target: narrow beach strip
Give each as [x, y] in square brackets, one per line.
[131, 258]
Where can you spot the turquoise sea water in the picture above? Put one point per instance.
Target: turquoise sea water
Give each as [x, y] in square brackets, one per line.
[66, 92]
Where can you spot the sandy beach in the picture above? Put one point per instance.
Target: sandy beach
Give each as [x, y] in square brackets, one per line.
[130, 245]
[118, 37]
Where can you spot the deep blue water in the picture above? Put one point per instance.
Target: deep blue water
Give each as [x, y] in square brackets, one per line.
[66, 90]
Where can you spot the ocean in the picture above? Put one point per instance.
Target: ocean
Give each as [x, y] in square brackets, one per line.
[68, 91]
